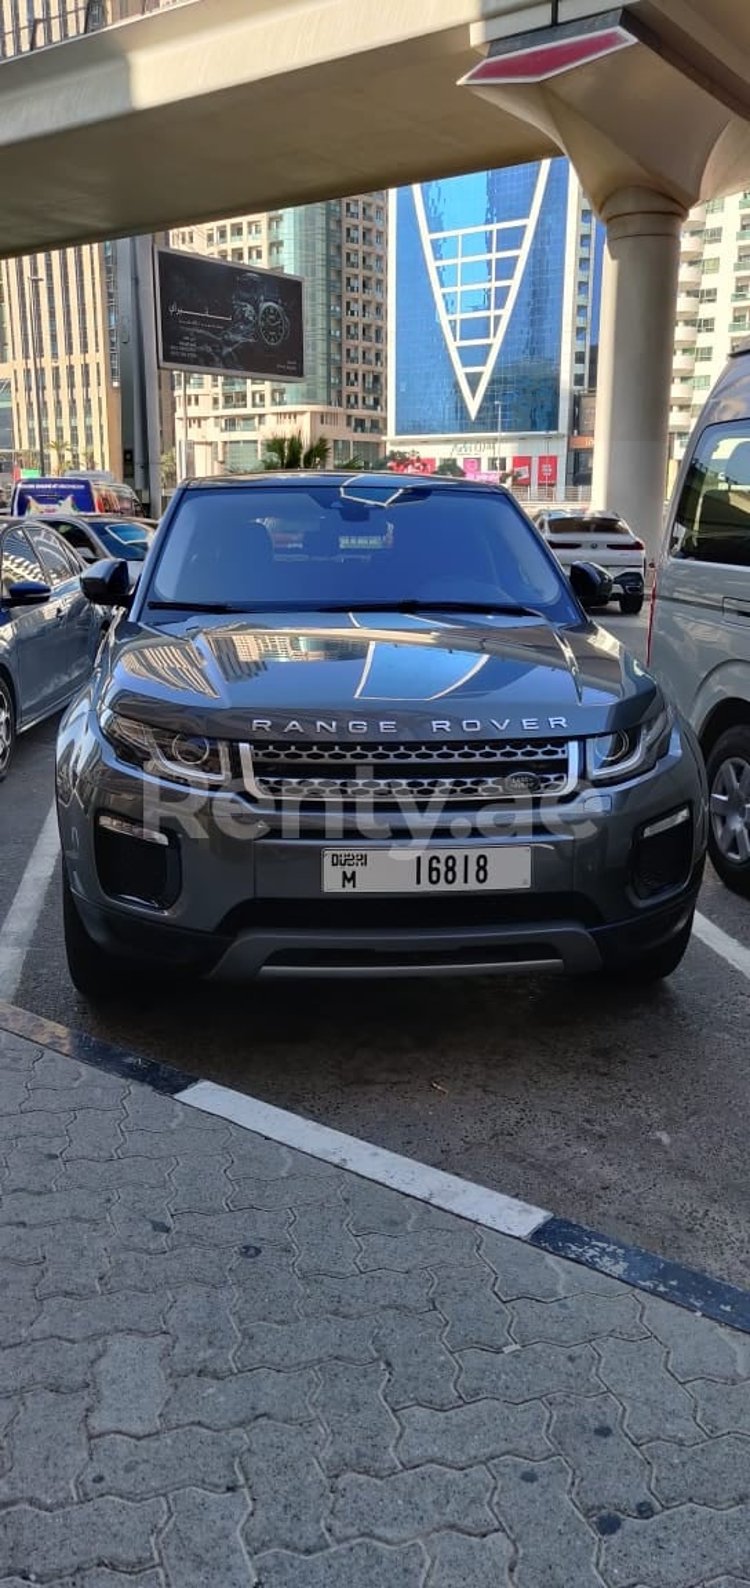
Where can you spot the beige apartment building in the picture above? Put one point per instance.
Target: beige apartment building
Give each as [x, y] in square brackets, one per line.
[59, 354]
[223, 422]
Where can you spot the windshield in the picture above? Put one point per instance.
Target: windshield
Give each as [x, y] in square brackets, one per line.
[124, 540]
[360, 545]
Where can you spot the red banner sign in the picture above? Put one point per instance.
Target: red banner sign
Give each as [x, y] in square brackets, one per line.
[546, 470]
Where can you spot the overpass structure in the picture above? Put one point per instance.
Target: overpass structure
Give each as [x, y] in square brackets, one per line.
[217, 107]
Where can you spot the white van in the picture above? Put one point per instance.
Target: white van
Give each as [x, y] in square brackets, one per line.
[699, 639]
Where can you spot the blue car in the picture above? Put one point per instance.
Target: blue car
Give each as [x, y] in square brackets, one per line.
[49, 632]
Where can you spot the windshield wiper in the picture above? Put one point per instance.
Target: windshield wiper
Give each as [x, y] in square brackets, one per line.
[503, 608]
[198, 606]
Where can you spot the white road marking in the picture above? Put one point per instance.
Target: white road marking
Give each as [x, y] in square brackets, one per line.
[418, 1180]
[22, 918]
[727, 947]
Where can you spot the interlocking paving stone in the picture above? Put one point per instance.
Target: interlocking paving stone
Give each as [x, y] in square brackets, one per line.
[697, 1348]
[686, 1547]
[474, 1314]
[325, 1295]
[31, 1166]
[289, 1191]
[201, 1546]
[466, 1435]
[289, 1492]
[131, 1385]
[361, 1431]
[48, 1364]
[23, 1127]
[235, 1401]
[418, 1249]
[147, 1270]
[462, 1562]
[268, 1290]
[420, 1368]
[324, 1245]
[610, 1472]
[76, 1259]
[231, 1228]
[528, 1373]
[656, 1406]
[84, 1318]
[556, 1547]
[92, 1133]
[201, 1186]
[717, 1472]
[410, 1504]
[105, 1532]
[20, 1305]
[376, 1210]
[311, 1340]
[722, 1408]
[202, 1329]
[574, 1319]
[47, 1448]
[138, 1468]
[361, 1565]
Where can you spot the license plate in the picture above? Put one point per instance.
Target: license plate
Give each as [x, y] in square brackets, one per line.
[434, 870]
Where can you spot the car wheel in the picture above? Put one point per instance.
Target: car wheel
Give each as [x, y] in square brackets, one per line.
[728, 772]
[7, 727]
[630, 605]
[93, 972]
[657, 963]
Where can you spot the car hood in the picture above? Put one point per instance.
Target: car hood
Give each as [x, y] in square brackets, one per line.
[370, 677]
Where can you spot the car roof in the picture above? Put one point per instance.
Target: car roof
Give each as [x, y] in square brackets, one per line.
[380, 477]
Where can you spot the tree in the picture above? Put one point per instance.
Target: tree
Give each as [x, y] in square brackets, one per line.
[290, 452]
[451, 467]
[62, 453]
[168, 463]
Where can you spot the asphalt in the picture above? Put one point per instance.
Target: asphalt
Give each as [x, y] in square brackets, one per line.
[226, 1362]
[624, 1113]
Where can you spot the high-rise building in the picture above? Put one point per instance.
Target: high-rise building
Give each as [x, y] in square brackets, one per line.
[59, 353]
[493, 325]
[713, 307]
[339, 248]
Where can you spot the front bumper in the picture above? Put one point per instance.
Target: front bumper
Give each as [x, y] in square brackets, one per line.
[247, 896]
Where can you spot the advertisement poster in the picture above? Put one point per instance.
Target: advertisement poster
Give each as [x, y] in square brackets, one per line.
[546, 470]
[522, 470]
[217, 316]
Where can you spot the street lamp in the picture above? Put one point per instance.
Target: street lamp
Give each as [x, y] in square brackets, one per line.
[34, 283]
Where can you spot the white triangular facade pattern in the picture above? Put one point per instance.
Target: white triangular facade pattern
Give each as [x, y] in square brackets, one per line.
[487, 257]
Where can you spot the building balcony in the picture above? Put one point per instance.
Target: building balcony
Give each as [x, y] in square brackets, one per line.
[691, 274]
[691, 245]
[742, 266]
[683, 363]
[687, 302]
[685, 332]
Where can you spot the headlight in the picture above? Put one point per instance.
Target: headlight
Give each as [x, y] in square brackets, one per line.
[613, 757]
[182, 757]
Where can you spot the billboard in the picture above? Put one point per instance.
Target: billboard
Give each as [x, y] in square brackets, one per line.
[212, 315]
[546, 470]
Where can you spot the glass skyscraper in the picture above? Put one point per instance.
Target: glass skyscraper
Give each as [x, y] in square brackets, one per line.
[494, 312]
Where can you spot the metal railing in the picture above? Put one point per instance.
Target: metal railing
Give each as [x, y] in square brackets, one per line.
[44, 22]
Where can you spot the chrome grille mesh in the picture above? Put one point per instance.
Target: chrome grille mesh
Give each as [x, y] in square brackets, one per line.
[462, 771]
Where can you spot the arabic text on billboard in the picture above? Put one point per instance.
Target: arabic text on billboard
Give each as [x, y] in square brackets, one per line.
[217, 316]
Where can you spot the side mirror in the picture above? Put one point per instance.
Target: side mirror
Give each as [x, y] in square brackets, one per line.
[591, 584]
[108, 583]
[28, 593]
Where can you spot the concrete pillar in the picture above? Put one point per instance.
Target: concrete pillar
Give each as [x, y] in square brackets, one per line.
[636, 344]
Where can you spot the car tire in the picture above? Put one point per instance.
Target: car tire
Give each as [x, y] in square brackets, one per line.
[94, 973]
[657, 963]
[631, 605]
[728, 768]
[7, 728]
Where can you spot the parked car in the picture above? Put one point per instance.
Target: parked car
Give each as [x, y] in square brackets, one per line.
[49, 631]
[603, 538]
[75, 493]
[365, 726]
[97, 536]
[700, 615]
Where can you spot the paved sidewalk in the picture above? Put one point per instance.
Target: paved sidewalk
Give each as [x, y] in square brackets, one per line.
[223, 1363]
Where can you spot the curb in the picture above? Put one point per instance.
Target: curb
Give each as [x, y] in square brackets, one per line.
[657, 1276]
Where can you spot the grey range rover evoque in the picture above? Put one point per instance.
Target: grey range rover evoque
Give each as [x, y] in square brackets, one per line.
[352, 725]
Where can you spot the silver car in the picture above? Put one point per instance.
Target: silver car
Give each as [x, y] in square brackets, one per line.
[700, 619]
[49, 632]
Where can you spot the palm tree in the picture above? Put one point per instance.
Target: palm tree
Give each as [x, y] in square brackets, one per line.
[290, 452]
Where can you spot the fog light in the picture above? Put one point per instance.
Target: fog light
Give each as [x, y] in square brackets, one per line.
[136, 864]
[663, 853]
[120, 824]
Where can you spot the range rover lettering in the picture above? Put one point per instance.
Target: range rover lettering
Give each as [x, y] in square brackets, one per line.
[365, 725]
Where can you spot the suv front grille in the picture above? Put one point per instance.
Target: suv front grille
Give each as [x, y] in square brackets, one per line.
[450, 771]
